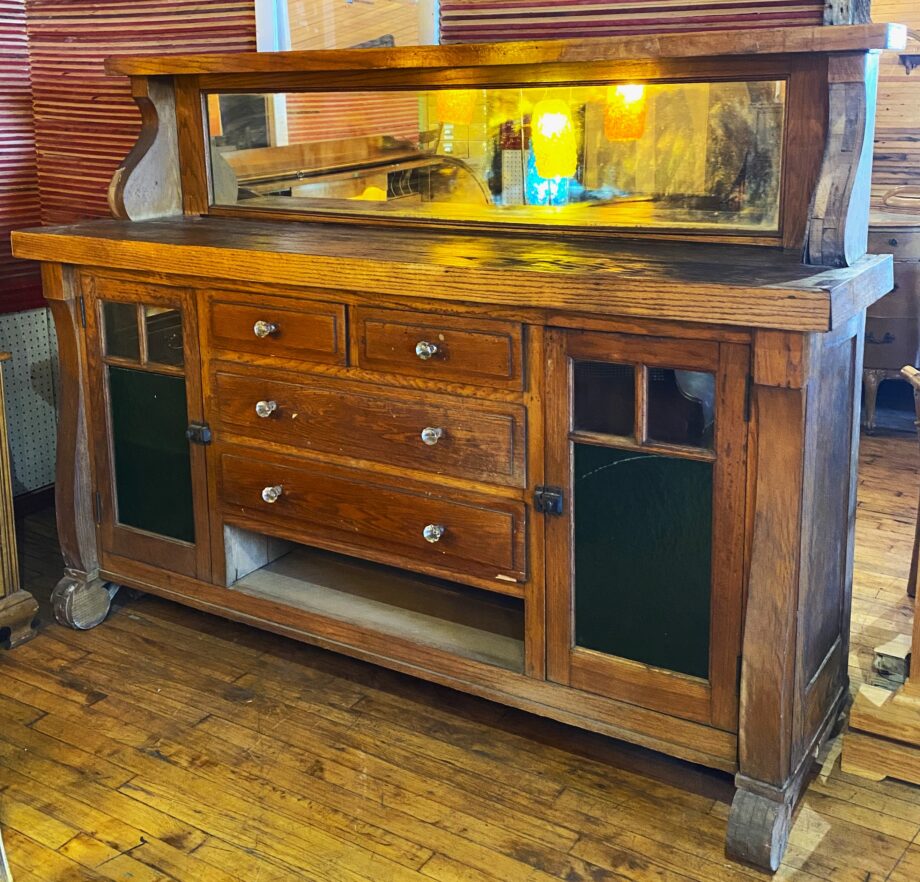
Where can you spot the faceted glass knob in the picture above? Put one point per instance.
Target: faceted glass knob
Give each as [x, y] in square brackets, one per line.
[431, 435]
[266, 408]
[433, 532]
[264, 329]
[272, 494]
[424, 350]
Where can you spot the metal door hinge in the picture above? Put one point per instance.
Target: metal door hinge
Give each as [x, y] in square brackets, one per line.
[83, 310]
[748, 391]
[198, 433]
[97, 507]
[548, 500]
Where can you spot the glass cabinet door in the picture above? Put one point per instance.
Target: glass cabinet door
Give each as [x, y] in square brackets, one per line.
[151, 504]
[646, 437]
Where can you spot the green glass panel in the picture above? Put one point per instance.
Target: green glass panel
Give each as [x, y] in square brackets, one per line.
[120, 320]
[681, 407]
[643, 542]
[153, 477]
[605, 397]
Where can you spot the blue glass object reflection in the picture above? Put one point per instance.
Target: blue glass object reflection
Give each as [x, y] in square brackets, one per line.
[544, 191]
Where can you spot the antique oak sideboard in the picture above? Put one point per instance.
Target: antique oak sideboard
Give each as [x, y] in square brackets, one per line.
[528, 369]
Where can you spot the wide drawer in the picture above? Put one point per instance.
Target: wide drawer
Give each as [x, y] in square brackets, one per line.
[431, 433]
[352, 509]
[904, 300]
[481, 352]
[275, 328]
[902, 242]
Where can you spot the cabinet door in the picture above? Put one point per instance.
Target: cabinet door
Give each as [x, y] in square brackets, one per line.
[647, 439]
[146, 391]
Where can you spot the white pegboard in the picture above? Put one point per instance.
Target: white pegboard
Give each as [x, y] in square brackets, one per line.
[30, 397]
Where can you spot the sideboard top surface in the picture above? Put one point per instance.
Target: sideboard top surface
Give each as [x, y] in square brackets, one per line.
[713, 284]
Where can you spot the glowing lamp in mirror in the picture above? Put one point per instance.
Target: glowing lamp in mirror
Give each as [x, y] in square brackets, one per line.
[625, 112]
[455, 106]
[552, 136]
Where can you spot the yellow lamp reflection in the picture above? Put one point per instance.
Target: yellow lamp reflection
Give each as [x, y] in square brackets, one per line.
[625, 112]
[455, 106]
[553, 138]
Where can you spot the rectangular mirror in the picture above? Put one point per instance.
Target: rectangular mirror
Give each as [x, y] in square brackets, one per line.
[698, 156]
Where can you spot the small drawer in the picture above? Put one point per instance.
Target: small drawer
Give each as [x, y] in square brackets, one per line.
[891, 342]
[904, 300]
[462, 533]
[480, 352]
[275, 328]
[901, 242]
[432, 433]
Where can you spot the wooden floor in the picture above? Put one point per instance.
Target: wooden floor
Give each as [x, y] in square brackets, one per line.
[171, 745]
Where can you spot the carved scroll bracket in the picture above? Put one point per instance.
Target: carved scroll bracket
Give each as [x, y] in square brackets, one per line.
[147, 183]
[838, 223]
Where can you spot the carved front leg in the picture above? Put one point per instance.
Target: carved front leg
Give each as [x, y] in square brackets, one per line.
[758, 829]
[80, 598]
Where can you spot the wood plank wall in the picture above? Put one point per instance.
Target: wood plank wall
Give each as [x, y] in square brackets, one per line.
[19, 204]
[897, 127]
[86, 122]
[468, 21]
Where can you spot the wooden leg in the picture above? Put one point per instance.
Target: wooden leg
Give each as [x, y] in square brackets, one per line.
[758, 829]
[18, 618]
[82, 602]
[871, 381]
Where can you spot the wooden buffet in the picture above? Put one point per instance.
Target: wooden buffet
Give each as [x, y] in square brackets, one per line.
[592, 457]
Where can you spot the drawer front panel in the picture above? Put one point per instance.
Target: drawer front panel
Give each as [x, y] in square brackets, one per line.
[904, 300]
[891, 342]
[312, 332]
[482, 538]
[466, 440]
[464, 350]
[902, 242]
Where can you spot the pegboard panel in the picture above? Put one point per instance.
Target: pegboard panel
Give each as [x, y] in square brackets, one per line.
[30, 397]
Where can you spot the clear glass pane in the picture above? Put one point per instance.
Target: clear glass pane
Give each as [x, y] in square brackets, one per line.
[153, 478]
[164, 335]
[681, 407]
[605, 397]
[643, 542]
[120, 323]
[664, 155]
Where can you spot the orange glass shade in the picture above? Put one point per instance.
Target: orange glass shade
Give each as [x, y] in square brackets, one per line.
[455, 106]
[553, 138]
[625, 112]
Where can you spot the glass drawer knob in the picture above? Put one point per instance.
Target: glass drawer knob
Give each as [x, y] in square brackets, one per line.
[424, 350]
[272, 494]
[264, 329]
[431, 435]
[433, 532]
[266, 408]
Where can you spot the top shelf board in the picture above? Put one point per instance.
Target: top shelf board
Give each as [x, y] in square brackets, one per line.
[763, 41]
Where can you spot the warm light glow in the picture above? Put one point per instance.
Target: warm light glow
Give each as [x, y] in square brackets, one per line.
[455, 106]
[553, 140]
[625, 113]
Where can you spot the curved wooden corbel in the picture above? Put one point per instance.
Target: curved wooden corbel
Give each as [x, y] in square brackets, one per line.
[838, 222]
[147, 184]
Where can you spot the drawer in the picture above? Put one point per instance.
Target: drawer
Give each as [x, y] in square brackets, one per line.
[275, 328]
[479, 536]
[904, 300]
[477, 441]
[891, 342]
[480, 352]
[902, 242]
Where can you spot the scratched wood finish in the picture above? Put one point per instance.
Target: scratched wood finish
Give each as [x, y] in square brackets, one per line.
[707, 284]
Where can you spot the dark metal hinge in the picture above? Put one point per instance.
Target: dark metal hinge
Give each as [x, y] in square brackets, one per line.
[548, 500]
[198, 433]
[748, 391]
[82, 311]
[97, 507]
